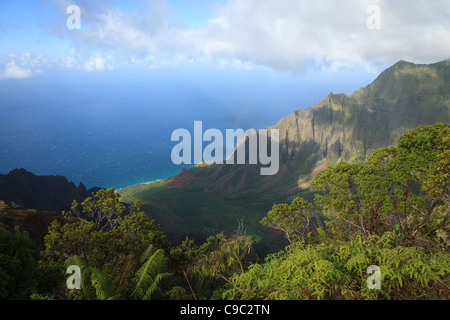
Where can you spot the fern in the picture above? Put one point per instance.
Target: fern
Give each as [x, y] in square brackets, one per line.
[338, 271]
[87, 291]
[95, 284]
[147, 279]
[104, 287]
[148, 252]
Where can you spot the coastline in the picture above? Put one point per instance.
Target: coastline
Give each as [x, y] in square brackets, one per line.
[138, 184]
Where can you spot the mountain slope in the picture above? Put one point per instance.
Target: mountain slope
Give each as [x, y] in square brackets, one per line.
[47, 193]
[207, 199]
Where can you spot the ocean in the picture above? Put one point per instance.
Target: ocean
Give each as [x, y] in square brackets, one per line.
[113, 129]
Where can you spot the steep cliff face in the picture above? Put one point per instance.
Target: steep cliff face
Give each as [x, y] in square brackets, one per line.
[347, 128]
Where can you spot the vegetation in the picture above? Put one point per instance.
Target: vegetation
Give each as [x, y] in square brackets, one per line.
[18, 264]
[406, 187]
[24, 273]
[143, 285]
[391, 211]
[337, 270]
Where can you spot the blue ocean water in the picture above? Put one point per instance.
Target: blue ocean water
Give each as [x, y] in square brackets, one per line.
[114, 128]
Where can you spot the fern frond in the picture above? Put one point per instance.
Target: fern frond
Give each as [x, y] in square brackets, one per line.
[154, 286]
[147, 253]
[146, 278]
[87, 290]
[105, 289]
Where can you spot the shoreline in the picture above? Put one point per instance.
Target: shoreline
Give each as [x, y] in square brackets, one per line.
[138, 184]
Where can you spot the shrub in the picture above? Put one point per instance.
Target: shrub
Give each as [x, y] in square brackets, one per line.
[338, 270]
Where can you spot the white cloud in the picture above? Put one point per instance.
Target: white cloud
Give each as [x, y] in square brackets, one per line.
[12, 71]
[23, 66]
[281, 34]
[287, 34]
[98, 63]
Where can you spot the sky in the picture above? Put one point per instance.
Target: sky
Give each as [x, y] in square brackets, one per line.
[284, 35]
[132, 71]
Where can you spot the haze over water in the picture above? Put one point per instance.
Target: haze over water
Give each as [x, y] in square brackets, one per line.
[113, 128]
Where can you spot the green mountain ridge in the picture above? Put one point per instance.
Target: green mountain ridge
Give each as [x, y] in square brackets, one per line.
[208, 199]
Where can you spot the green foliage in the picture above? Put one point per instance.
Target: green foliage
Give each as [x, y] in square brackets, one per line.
[103, 208]
[406, 185]
[337, 270]
[295, 220]
[137, 231]
[221, 256]
[96, 285]
[18, 264]
[205, 268]
[148, 277]
[390, 211]
[104, 248]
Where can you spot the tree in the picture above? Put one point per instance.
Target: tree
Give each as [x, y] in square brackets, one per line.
[422, 169]
[405, 186]
[296, 220]
[103, 208]
[109, 248]
[339, 199]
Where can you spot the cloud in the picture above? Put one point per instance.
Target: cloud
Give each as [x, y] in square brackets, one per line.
[98, 63]
[23, 66]
[289, 34]
[281, 34]
[12, 71]
[109, 28]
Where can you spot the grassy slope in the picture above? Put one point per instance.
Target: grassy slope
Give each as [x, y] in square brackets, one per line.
[199, 214]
